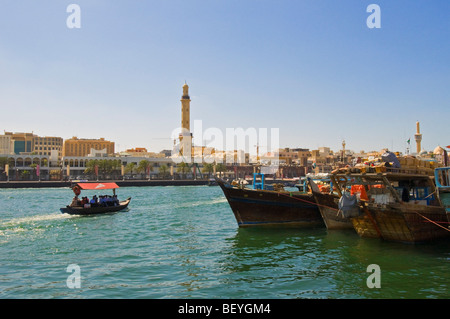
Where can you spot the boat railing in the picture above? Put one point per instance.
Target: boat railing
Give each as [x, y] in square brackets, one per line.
[442, 181]
[442, 177]
[256, 183]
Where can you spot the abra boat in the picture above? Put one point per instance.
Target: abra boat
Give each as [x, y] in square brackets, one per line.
[77, 208]
[259, 206]
[398, 207]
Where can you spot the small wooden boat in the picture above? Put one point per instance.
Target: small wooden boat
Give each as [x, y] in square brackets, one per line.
[108, 206]
[259, 206]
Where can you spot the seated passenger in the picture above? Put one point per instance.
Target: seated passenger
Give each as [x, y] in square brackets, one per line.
[115, 200]
[109, 200]
[102, 201]
[75, 202]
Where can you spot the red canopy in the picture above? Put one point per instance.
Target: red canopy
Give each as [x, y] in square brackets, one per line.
[97, 185]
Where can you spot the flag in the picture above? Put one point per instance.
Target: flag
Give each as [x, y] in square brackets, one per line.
[38, 170]
[409, 141]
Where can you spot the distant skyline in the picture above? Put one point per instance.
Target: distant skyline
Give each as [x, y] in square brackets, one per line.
[313, 69]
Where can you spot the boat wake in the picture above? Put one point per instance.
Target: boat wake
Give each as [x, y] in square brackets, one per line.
[34, 219]
[204, 203]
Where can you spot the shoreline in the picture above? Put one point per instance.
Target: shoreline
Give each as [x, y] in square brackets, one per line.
[120, 183]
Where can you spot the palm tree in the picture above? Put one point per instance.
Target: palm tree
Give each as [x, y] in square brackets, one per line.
[104, 166]
[90, 166]
[130, 167]
[116, 166]
[183, 168]
[163, 170]
[208, 168]
[143, 166]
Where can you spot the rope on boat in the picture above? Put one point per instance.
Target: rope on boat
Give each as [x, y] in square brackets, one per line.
[432, 221]
[430, 195]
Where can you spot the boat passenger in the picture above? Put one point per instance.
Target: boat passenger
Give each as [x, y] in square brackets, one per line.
[109, 201]
[75, 202]
[94, 201]
[103, 201]
[84, 201]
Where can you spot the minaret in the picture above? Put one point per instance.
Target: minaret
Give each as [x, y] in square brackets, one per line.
[185, 135]
[185, 104]
[418, 137]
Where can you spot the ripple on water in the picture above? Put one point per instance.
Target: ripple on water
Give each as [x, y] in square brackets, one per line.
[183, 242]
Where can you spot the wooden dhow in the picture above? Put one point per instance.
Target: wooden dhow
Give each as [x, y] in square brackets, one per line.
[259, 206]
[328, 205]
[396, 206]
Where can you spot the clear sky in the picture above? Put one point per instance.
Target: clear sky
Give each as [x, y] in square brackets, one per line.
[311, 68]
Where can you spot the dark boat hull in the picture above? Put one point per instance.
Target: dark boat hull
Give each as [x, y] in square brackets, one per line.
[261, 207]
[95, 210]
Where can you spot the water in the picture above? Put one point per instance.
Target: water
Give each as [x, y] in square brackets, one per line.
[183, 242]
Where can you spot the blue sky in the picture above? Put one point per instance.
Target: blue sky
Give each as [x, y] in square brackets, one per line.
[311, 68]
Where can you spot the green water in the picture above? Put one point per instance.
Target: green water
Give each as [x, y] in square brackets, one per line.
[183, 242]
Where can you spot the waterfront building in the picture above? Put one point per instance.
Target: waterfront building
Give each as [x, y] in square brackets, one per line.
[30, 143]
[294, 156]
[21, 143]
[48, 145]
[5, 144]
[140, 152]
[83, 147]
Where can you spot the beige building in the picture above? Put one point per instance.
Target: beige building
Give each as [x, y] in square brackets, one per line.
[29, 143]
[83, 147]
[5, 144]
[45, 145]
[294, 155]
[21, 143]
[140, 152]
